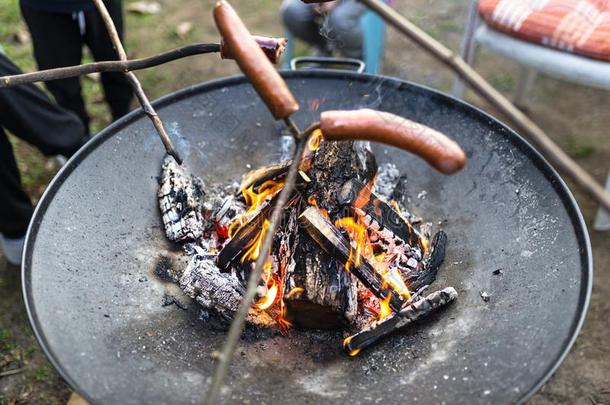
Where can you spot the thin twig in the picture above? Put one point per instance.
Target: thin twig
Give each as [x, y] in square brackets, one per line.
[546, 145]
[135, 84]
[108, 66]
[12, 372]
[240, 316]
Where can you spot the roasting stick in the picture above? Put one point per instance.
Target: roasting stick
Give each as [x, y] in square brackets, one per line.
[549, 149]
[135, 83]
[273, 48]
[274, 91]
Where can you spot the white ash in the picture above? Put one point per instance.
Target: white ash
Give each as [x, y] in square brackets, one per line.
[181, 202]
[387, 179]
[204, 282]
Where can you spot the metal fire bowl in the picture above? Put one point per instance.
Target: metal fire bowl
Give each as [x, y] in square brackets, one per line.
[96, 237]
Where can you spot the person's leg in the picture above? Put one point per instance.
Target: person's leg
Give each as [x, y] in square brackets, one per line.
[57, 43]
[344, 30]
[15, 206]
[29, 114]
[300, 19]
[117, 90]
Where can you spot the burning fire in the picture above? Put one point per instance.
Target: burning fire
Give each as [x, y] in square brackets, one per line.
[314, 140]
[361, 245]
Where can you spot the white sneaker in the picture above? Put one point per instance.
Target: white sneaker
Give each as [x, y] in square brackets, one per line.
[12, 249]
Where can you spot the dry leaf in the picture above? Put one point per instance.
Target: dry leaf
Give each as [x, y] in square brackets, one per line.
[144, 7]
[183, 29]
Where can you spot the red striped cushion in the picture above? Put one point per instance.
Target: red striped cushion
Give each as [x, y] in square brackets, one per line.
[578, 26]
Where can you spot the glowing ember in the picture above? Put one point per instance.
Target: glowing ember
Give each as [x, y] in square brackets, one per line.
[314, 141]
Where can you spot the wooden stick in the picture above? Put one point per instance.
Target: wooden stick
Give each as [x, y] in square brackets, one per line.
[255, 275]
[135, 83]
[108, 66]
[523, 123]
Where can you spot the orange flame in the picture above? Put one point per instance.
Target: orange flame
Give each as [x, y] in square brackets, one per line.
[384, 307]
[269, 298]
[253, 200]
[346, 342]
[360, 245]
[314, 140]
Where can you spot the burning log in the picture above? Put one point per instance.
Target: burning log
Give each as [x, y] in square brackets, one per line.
[333, 242]
[417, 310]
[181, 202]
[256, 177]
[378, 214]
[332, 166]
[243, 239]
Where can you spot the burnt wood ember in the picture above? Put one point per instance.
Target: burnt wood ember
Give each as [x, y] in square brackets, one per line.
[378, 214]
[243, 239]
[334, 164]
[181, 202]
[221, 292]
[411, 313]
[321, 294]
[427, 274]
[258, 176]
[335, 244]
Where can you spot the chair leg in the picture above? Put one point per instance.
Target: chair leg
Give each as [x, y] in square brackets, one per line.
[602, 220]
[468, 49]
[526, 80]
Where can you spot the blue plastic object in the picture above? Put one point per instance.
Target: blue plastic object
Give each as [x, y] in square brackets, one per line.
[373, 29]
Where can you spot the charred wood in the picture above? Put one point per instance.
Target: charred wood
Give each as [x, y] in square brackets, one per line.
[417, 310]
[257, 177]
[378, 214]
[335, 244]
[319, 294]
[431, 263]
[333, 164]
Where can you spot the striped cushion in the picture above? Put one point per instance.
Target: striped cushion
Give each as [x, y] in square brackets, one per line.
[578, 26]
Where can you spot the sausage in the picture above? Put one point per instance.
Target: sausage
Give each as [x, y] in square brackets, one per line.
[253, 62]
[435, 148]
[272, 47]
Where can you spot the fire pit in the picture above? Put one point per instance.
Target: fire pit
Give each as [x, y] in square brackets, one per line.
[97, 245]
[348, 255]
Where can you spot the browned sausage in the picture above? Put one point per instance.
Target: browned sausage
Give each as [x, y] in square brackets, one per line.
[272, 47]
[437, 149]
[253, 62]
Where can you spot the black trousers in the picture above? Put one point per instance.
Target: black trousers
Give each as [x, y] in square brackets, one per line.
[58, 41]
[29, 114]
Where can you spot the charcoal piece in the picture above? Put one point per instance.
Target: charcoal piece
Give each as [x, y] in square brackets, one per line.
[426, 274]
[400, 194]
[181, 202]
[411, 313]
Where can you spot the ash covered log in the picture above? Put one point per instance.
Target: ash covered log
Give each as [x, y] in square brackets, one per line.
[181, 202]
[336, 245]
[417, 310]
[219, 292]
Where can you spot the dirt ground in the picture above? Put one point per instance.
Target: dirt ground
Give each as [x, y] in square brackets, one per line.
[576, 117]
